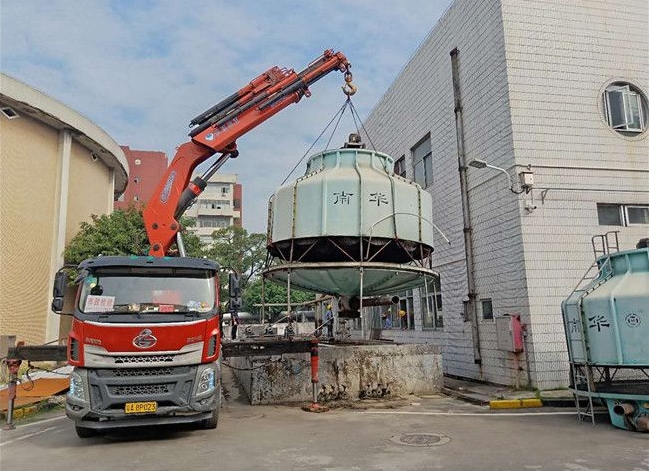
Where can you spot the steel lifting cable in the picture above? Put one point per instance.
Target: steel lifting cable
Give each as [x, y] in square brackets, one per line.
[339, 112]
[355, 115]
[349, 89]
[333, 131]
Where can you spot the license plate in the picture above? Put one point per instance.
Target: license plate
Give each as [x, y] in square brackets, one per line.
[140, 407]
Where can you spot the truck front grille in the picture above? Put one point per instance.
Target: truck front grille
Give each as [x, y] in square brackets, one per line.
[111, 388]
[143, 359]
[140, 390]
[142, 372]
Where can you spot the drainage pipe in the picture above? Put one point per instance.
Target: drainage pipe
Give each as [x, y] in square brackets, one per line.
[466, 210]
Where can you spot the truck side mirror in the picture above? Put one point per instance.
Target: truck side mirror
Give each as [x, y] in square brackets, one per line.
[234, 291]
[58, 291]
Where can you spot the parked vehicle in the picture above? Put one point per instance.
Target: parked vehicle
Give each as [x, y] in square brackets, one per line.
[145, 339]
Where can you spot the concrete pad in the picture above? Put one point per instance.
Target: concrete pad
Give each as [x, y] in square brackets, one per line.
[347, 372]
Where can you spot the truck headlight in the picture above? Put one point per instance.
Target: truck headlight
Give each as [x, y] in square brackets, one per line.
[207, 381]
[76, 387]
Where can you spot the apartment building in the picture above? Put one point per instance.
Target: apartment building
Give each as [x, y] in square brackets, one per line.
[219, 206]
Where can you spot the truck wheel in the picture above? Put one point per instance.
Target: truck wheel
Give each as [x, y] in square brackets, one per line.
[83, 432]
[213, 421]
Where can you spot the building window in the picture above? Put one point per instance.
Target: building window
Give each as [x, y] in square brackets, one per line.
[625, 108]
[422, 163]
[622, 214]
[213, 204]
[400, 166]
[636, 215]
[214, 221]
[431, 307]
[9, 112]
[487, 309]
[225, 190]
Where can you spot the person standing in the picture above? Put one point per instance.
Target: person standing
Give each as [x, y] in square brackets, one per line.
[234, 324]
[403, 320]
[329, 321]
[387, 320]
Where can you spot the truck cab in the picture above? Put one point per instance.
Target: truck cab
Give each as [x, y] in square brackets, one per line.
[145, 343]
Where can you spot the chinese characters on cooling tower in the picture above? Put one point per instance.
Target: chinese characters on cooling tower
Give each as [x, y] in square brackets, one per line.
[378, 198]
[600, 322]
[343, 197]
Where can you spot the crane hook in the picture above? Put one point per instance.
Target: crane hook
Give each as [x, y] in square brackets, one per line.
[349, 88]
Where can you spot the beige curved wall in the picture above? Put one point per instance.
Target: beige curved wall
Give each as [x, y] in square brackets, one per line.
[84, 199]
[56, 170]
[27, 205]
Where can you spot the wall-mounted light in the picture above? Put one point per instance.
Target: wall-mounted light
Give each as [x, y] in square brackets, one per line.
[477, 163]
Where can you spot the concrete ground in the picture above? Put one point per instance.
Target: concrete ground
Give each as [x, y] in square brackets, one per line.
[406, 434]
[497, 396]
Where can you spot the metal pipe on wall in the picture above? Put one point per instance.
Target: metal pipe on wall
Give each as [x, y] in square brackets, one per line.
[466, 210]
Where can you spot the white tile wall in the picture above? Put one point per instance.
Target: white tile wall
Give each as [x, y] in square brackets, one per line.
[531, 77]
[560, 57]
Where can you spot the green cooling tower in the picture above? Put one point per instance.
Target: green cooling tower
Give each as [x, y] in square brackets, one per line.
[350, 207]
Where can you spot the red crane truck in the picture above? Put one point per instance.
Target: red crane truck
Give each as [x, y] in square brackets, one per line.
[145, 341]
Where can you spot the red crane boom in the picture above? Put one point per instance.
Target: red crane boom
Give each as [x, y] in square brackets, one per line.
[216, 131]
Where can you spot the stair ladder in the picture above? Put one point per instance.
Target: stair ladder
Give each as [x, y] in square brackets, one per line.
[582, 374]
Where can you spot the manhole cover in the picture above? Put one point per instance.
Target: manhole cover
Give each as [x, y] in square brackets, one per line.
[421, 439]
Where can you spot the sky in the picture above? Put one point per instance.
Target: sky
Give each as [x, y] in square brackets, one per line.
[142, 69]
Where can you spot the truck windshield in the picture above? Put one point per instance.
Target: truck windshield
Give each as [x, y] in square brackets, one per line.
[119, 293]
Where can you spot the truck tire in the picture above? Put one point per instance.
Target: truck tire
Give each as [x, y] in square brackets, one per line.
[83, 432]
[213, 421]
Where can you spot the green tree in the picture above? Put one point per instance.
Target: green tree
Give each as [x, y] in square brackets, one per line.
[273, 294]
[233, 248]
[121, 232]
